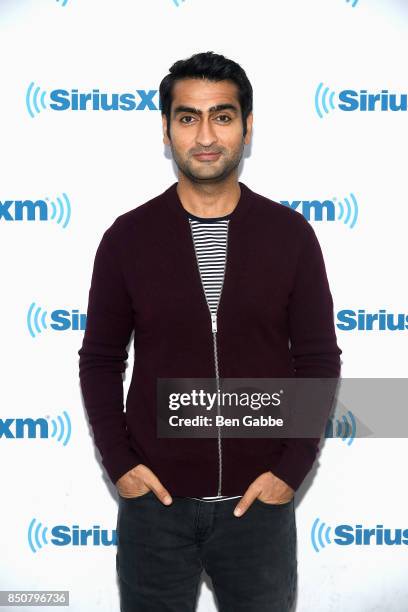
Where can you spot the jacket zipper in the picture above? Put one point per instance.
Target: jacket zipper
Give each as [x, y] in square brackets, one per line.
[214, 328]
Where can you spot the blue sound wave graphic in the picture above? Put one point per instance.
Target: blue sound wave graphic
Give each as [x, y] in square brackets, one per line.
[35, 323]
[34, 99]
[320, 536]
[177, 2]
[60, 210]
[35, 534]
[323, 99]
[346, 429]
[63, 427]
[348, 212]
[353, 2]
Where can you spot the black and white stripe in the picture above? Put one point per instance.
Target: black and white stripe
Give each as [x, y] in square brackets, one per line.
[210, 239]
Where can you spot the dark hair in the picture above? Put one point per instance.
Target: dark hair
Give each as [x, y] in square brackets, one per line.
[213, 67]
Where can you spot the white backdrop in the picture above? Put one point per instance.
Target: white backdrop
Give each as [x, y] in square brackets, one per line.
[87, 167]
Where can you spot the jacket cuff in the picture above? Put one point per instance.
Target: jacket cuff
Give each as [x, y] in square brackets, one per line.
[119, 462]
[296, 461]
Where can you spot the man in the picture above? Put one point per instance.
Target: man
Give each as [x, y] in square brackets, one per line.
[214, 280]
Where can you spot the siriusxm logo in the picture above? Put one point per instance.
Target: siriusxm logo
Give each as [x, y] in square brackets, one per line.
[344, 429]
[351, 100]
[348, 535]
[38, 428]
[62, 320]
[350, 320]
[58, 211]
[344, 211]
[65, 535]
[38, 100]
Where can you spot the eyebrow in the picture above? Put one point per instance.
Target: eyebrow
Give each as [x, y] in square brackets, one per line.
[197, 111]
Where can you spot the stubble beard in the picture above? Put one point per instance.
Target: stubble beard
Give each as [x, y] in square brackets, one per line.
[218, 175]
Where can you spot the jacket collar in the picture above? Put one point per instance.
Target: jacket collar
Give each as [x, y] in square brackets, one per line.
[242, 207]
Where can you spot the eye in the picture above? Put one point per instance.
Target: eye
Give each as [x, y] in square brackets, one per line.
[186, 117]
[226, 117]
[223, 118]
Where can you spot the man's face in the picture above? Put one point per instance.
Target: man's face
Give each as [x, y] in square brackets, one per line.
[206, 119]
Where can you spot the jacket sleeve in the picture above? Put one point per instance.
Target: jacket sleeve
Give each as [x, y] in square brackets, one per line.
[103, 354]
[313, 346]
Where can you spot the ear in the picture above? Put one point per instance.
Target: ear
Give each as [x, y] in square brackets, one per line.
[166, 139]
[248, 135]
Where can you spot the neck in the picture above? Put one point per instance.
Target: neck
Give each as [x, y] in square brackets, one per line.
[209, 199]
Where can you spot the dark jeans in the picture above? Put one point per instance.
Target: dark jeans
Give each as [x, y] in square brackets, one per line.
[162, 550]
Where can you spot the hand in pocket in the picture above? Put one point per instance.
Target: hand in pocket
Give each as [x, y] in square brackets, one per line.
[139, 481]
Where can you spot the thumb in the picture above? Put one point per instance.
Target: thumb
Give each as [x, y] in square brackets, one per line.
[160, 491]
[245, 501]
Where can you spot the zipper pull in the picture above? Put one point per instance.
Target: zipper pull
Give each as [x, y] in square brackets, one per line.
[214, 322]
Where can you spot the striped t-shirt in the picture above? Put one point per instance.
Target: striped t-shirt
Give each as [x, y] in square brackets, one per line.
[210, 242]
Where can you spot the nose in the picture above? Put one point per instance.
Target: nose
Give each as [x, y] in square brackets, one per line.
[206, 135]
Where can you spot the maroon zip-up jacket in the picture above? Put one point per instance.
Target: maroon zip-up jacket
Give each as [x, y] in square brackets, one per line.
[275, 319]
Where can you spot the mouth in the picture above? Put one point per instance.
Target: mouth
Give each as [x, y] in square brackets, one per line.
[207, 156]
